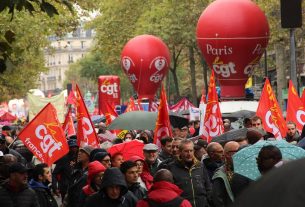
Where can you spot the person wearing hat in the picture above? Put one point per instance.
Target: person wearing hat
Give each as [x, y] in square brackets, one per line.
[104, 158]
[151, 158]
[15, 192]
[62, 173]
[113, 191]
[79, 176]
[200, 149]
[95, 175]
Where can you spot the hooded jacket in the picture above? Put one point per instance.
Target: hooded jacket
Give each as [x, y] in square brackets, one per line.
[112, 177]
[162, 192]
[43, 193]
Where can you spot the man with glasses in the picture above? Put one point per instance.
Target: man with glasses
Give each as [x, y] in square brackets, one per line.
[214, 159]
[222, 192]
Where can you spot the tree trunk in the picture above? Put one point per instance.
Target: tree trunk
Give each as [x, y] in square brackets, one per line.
[280, 72]
[193, 75]
[175, 79]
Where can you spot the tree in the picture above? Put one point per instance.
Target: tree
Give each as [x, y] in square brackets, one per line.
[23, 56]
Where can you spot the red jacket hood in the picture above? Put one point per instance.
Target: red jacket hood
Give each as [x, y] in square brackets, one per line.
[94, 168]
[164, 191]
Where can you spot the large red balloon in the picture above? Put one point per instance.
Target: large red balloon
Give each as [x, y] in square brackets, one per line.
[232, 36]
[145, 59]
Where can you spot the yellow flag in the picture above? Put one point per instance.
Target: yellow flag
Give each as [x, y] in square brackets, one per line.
[249, 83]
[36, 103]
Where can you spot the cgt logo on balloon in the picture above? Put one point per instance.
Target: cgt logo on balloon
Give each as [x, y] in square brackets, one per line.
[127, 63]
[159, 63]
[231, 47]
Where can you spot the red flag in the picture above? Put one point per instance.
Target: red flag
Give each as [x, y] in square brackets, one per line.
[71, 98]
[270, 112]
[86, 134]
[132, 106]
[68, 125]
[44, 136]
[303, 97]
[212, 125]
[295, 108]
[153, 106]
[110, 113]
[163, 126]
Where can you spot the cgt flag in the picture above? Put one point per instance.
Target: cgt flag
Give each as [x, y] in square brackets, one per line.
[86, 134]
[68, 125]
[44, 136]
[268, 109]
[295, 108]
[212, 125]
[163, 126]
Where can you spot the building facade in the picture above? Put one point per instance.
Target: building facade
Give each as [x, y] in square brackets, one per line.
[63, 52]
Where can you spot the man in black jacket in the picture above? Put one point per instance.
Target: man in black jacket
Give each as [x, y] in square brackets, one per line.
[62, 173]
[15, 192]
[41, 178]
[113, 192]
[191, 176]
[130, 171]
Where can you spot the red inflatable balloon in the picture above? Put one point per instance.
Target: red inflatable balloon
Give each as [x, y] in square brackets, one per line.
[145, 60]
[232, 36]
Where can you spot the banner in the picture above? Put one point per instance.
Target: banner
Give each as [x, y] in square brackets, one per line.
[36, 103]
[270, 112]
[212, 125]
[86, 134]
[295, 108]
[109, 91]
[163, 126]
[44, 136]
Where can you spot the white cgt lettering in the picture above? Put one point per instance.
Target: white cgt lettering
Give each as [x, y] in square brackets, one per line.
[109, 89]
[224, 70]
[48, 144]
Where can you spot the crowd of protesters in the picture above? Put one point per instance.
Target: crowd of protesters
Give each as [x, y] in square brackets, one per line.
[181, 172]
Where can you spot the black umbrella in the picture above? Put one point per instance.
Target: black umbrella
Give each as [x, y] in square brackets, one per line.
[241, 114]
[279, 187]
[177, 120]
[232, 135]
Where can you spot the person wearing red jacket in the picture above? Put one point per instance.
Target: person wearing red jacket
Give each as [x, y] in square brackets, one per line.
[164, 192]
[95, 174]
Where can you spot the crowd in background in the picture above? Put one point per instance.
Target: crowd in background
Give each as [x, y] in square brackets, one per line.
[181, 172]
